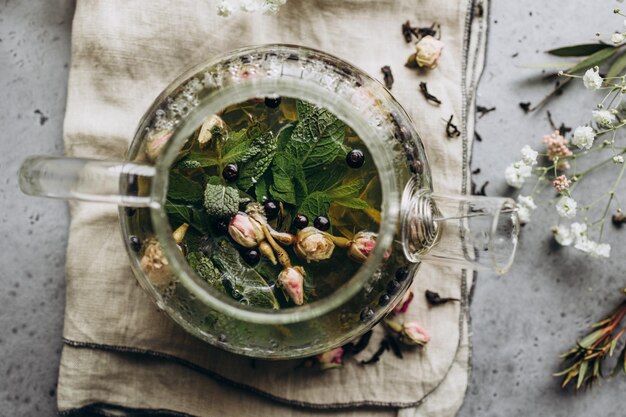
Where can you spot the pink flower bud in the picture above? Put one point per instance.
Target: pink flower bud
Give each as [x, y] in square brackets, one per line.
[428, 51]
[331, 359]
[213, 128]
[245, 230]
[313, 245]
[156, 142]
[404, 304]
[292, 281]
[363, 245]
[414, 334]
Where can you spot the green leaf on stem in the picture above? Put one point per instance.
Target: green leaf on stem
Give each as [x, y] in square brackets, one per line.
[596, 59]
[579, 50]
[617, 67]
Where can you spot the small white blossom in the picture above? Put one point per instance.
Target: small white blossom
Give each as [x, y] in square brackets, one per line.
[584, 244]
[525, 204]
[272, 6]
[225, 9]
[516, 173]
[617, 38]
[566, 207]
[529, 155]
[592, 79]
[250, 6]
[603, 117]
[583, 137]
[579, 230]
[602, 250]
[618, 159]
[563, 235]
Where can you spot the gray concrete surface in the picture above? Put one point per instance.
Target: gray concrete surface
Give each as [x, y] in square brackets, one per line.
[520, 322]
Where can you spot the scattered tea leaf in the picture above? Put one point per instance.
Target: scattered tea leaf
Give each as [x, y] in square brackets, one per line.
[435, 299]
[484, 110]
[525, 106]
[451, 130]
[388, 76]
[429, 97]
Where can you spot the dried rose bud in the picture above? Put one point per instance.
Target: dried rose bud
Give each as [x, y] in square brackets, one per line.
[213, 128]
[313, 244]
[292, 281]
[331, 359]
[414, 334]
[155, 264]
[363, 245]
[428, 51]
[404, 304]
[155, 143]
[245, 231]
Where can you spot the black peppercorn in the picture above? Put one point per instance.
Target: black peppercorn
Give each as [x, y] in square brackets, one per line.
[321, 223]
[384, 300]
[130, 211]
[367, 314]
[251, 256]
[301, 221]
[393, 287]
[221, 226]
[417, 167]
[272, 102]
[355, 158]
[402, 273]
[230, 172]
[135, 243]
[271, 209]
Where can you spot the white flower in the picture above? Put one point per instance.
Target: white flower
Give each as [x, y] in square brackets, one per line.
[602, 250]
[225, 9]
[603, 117]
[583, 137]
[250, 6]
[516, 173]
[584, 244]
[618, 159]
[272, 6]
[592, 79]
[617, 38]
[579, 230]
[563, 235]
[566, 207]
[525, 204]
[529, 155]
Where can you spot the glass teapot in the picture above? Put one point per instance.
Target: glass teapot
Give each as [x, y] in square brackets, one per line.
[416, 224]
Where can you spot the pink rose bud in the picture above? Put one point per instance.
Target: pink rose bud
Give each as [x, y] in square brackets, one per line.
[404, 304]
[331, 359]
[292, 281]
[245, 231]
[213, 128]
[414, 334]
[313, 244]
[156, 142]
[363, 245]
[428, 51]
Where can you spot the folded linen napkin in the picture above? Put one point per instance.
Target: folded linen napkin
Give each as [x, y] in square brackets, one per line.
[121, 354]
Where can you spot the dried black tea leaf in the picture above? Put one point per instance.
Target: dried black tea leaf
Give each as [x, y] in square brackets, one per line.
[388, 76]
[451, 130]
[435, 299]
[429, 97]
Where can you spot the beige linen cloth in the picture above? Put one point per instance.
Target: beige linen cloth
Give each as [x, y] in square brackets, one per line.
[123, 357]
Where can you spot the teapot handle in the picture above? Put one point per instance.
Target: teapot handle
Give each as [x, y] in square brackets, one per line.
[118, 182]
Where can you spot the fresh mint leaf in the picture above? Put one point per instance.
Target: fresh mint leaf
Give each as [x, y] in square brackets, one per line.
[182, 188]
[204, 267]
[318, 137]
[234, 140]
[284, 135]
[243, 280]
[315, 204]
[352, 202]
[350, 189]
[255, 165]
[288, 182]
[325, 177]
[196, 159]
[180, 213]
[221, 201]
[261, 189]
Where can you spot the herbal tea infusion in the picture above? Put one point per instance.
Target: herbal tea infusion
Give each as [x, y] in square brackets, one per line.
[274, 202]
